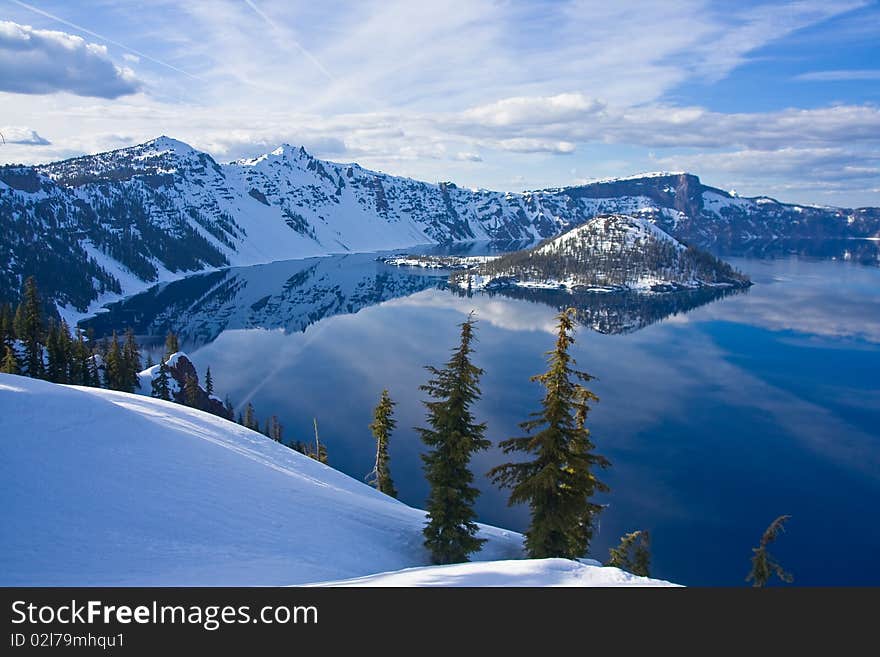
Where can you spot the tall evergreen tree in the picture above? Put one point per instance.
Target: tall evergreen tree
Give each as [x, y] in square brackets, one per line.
[161, 383]
[7, 331]
[633, 554]
[382, 426]
[131, 359]
[94, 372]
[209, 382]
[559, 482]
[29, 329]
[55, 363]
[65, 338]
[191, 391]
[114, 367]
[171, 344]
[10, 362]
[764, 566]
[79, 360]
[453, 436]
[250, 418]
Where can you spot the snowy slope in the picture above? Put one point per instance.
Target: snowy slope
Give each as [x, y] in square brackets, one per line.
[520, 572]
[609, 233]
[107, 488]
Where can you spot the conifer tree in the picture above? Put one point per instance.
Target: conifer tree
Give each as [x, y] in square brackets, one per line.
[209, 382]
[559, 482]
[7, 332]
[382, 426]
[161, 385]
[273, 429]
[77, 361]
[94, 373]
[633, 554]
[250, 418]
[131, 359]
[230, 409]
[764, 566]
[453, 437]
[10, 362]
[55, 366]
[114, 374]
[90, 353]
[65, 339]
[191, 391]
[171, 344]
[150, 362]
[29, 329]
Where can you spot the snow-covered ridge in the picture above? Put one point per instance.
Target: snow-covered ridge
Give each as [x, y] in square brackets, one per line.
[636, 176]
[115, 489]
[115, 222]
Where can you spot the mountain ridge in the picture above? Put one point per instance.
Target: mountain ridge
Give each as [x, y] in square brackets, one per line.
[114, 223]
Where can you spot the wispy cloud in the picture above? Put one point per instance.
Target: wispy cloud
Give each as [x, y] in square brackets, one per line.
[840, 75]
[106, 39]
[477, 91]
[22, 135]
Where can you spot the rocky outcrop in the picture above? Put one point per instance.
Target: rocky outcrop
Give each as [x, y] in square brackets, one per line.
[180, 368]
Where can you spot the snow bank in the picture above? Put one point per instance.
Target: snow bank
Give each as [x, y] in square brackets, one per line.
[520, 572]
[109, 488]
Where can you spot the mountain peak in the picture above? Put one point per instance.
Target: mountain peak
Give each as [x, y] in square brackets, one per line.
[164, 143]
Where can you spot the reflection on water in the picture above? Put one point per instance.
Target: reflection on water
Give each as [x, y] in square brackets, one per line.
[295, 294]
[615, 313]
[290, 295]
[717, 416]
[861, 251]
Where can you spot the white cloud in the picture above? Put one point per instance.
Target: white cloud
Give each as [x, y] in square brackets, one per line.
[134, 59]
[581, 119]
[527, 145]
[524, 111]
[808, 164]
[22, 135]
[840, 74]
[46, 61]
[475, 91]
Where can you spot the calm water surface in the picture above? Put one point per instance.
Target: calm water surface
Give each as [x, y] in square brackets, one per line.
[718, 415]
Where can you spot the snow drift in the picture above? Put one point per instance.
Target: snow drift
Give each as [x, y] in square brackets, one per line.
[114, 489]
[518, 572]
[109, 488]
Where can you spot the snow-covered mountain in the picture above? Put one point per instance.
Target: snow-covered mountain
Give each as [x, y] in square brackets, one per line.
[110, 488]
[112, 223]
[609, 252]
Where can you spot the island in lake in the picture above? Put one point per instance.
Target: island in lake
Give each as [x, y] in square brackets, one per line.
[610, 253]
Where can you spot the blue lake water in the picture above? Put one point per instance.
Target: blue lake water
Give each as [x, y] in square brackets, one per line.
[718, 415]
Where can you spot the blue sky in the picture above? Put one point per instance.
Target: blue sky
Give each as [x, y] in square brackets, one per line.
[778, 98]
